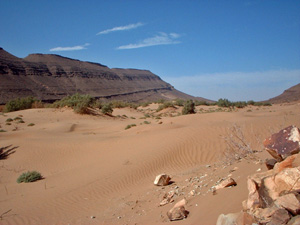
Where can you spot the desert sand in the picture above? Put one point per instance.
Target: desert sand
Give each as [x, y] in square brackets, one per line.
[96, 172]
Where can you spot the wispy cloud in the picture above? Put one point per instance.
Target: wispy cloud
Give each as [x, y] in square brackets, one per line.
[237, 86]
[121, 28]
[73, 48]
[160, 39]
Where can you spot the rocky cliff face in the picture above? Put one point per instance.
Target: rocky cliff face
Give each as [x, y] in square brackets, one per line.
[52, 77]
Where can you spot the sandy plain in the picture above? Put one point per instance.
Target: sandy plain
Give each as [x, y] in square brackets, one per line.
[96, 172]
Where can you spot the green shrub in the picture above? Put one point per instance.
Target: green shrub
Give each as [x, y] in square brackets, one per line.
[164, 106]
[2, 130]
[9, 120]
[19, 104]
[197, 103]
[78, 102]
[250, 102]
[18, 118]
[29, 176]
[239, 104]
[267, 104]
[188, 108]
[179, 102]
[129, 126]
[107, 108]
[146, 122]
[8, 124]
[224, 102]
[30, 124]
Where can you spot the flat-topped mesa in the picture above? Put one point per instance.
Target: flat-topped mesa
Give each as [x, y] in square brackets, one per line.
[51, 77]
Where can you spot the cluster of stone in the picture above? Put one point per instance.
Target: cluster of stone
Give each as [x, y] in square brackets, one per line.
[274, 195]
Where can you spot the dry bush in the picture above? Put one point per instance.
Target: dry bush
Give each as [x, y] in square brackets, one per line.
[237, 147]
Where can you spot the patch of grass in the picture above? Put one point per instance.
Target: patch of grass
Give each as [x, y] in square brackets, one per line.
[9, 120]
[8, 124]
[146, 122]
[132, 117]
[165, 105]
[107, 108]
[20, 121]
[19, 104]
[17, 118]
[2, 130]
[30, 124]
[29, 176]
[129, 126]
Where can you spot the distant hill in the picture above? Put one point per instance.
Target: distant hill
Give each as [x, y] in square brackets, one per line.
[51, 77]
[290, 95]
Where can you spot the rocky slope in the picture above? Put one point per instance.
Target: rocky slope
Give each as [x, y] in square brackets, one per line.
[52, 77]
[290, 95]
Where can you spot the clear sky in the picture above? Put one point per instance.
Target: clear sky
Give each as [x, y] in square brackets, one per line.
[240, 50]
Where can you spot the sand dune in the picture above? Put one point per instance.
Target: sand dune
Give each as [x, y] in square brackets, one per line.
[92, 166]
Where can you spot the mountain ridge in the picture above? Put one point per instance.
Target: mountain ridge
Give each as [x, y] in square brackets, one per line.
[50, 77]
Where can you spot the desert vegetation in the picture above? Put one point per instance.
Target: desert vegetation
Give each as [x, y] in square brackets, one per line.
[19, 104]
[29, 176]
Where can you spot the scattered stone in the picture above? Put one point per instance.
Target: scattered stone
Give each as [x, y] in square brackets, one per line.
[93, 217]
[167, 198]
[192, 193]
[178, 212]
[226, 183]
[270, 163]
[258, 170]
[284, 143]
[162, 180]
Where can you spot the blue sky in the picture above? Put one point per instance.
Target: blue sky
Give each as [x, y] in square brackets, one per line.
[240, 50]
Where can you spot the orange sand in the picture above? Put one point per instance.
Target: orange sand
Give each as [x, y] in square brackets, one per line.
[93, 167]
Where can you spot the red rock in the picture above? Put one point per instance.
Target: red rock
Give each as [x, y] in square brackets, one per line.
[178, 212]
[253, 200]
[271, 216]
[289, 202]
[270, 163]
[241, 218]
[294, 221]
[280, 217]
[162, 180]
[284, 143]
[287, 163]
[226, 183]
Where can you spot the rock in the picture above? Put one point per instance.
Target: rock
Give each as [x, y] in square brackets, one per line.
[178, 212]
[270, 163]
[167, 198]
[253, 200]
[241, 218]
[226, 183]
[290, 162]
[289, 202]
[294, 221]
[280, 217]
[271, 216]
[162, 180]
[284, 143]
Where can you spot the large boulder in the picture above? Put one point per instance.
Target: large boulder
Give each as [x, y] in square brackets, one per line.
[162, 180]
[284, 143]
